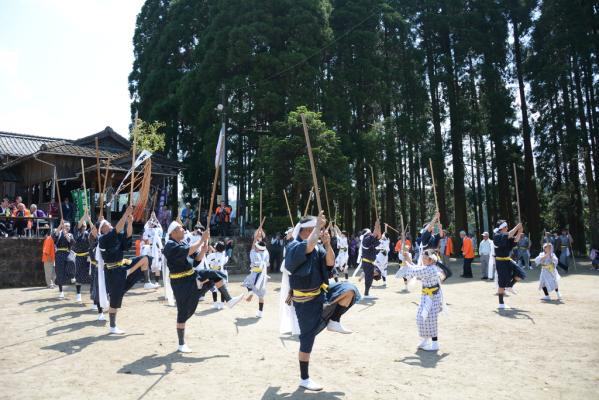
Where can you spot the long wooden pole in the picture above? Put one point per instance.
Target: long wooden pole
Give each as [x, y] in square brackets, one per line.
[220, 156]
[260, 219]
[392, 228]
[308, 203]
[326, 196]
[58, 194]
[430, 161]
[376, 212]
[84, 185]
[312, 165]
[288, 208]
[517, 194]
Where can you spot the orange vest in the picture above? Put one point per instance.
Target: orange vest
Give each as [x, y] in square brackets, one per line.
[407, 244]
[48, 251]
[467, 248]
[449, 247]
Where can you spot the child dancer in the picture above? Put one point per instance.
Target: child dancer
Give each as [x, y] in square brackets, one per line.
[256, 281]
[549, 276]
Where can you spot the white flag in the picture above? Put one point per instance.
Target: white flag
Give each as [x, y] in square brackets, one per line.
[144, 155]
[219, 146]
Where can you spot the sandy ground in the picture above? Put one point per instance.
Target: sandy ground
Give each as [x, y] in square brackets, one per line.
[54, 349]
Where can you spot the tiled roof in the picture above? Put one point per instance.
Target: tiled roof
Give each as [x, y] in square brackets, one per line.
[64, 147]
[18, 145]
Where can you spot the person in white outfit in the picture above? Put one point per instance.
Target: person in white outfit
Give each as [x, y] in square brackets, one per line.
[256, 281]
[484, 251]
[216, 261]
[549, 278]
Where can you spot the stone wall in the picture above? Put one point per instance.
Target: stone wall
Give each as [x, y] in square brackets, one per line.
[21, 263]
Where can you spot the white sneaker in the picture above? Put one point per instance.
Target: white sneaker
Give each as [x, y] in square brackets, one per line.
[502, 307]
[259, 314]
[336, 326]
[149, 285]
[217, 305]
[367, 297]
[94, 307]
[546, 298]
[511, 290]
[184, 349]
[309, 384]
[78, 298]
[559, 296]
[231, 303]
[116, 331]
[432, 346]
[101, 317]
[61, 295]
[424, 343]
[201, 298]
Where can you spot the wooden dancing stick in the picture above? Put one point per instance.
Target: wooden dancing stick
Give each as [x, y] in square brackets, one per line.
[392, 228]
[104, 188]
[132, 164]
[288, 208]
[517, 193]
[376, 212]
[58, 194]
[403, 233]
[312, 166]
[308, 203]
[260, 219]
[98, 170]
[326, 196]
[84, 185]
[430, 161]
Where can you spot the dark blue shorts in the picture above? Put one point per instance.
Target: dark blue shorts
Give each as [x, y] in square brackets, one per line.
[118, 282]
[506, 271]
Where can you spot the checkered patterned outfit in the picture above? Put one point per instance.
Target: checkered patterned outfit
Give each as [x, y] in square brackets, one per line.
[430, 306]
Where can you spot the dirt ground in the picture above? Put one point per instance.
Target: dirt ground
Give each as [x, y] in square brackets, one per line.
[54, 349]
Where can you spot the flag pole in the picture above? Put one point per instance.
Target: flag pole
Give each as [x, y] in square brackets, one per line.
[98, 171]
[214, 182]
[133, 164]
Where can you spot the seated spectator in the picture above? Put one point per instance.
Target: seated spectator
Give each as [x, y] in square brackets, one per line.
[42, 223]
[5, 224]
[21, 224]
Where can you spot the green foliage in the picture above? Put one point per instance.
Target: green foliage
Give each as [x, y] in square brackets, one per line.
[147, 137]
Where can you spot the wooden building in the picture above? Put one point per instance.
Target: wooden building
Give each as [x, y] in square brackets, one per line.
[28, 165]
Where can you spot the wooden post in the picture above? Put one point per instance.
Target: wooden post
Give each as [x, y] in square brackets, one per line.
[376, 213]
[326, 196]
[517, 193]
[312, 166]
[288, 208]
[430, 161]
[84, 185]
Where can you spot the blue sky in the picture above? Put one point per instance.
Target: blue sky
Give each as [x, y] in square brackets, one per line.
[64, 65]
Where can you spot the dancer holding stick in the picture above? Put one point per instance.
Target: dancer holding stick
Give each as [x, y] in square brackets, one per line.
[310, 264]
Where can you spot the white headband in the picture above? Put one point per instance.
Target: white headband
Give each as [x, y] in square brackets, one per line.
[503, 225]
[104, 222]
[308, 224]
[174, 225]
[259, 247]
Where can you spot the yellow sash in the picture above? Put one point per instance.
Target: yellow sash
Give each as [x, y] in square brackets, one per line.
[82, 254]
[429, 291]
[310, 293]
[180, 275]
[124, 261]
[503, 258]
[548, 267]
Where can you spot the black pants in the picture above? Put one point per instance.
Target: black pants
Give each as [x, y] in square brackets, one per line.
[276, 258]
[467, 268]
